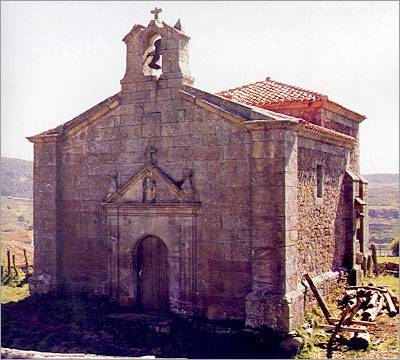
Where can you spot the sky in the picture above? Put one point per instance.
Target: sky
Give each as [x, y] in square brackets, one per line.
[60, 58]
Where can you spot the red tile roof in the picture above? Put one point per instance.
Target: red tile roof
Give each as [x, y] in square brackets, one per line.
[270, 91]
[261, 94]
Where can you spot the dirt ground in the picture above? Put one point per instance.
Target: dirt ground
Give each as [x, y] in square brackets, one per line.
[385, 344]
[75, 325]
[72, 325]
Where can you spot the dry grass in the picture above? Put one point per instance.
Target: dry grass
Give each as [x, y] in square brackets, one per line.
[13, 293]
[16, 214]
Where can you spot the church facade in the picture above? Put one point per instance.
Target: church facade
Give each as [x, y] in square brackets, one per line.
[168, 197]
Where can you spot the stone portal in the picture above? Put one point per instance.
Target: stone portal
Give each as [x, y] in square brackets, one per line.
[152, 241]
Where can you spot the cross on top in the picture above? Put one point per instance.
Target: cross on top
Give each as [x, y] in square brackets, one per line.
[156, 11]
[149, 154]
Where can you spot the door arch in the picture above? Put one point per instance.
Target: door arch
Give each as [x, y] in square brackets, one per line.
[152, 274]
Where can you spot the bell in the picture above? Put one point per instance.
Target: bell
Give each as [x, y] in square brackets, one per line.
[155, 60]
[154, 63]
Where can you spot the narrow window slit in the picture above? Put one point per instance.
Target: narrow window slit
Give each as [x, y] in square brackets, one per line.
[320, 182]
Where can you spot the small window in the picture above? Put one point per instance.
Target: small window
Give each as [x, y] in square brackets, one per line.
[320, 182]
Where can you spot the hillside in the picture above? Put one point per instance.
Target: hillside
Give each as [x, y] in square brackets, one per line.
[383, 205]
[16, 214]
[382, 178]
[16, 177]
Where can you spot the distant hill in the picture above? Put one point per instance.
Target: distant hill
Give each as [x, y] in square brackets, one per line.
[383, 205]
[16, 177]
[382, 178]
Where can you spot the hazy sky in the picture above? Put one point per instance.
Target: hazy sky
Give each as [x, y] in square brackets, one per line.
[60, 58]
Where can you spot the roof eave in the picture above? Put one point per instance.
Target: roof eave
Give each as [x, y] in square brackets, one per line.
[42, 138]
[335, 107]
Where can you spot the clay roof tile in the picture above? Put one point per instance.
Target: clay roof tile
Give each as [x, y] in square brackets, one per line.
[271, 91]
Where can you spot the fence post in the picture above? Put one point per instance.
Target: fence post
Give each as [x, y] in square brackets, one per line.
[26, 263]
[8, 263]
[375, 260]
[369, 265]
[15, 268]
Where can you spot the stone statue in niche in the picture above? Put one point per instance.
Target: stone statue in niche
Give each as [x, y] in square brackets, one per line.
[149, 189]
[113, 187]
[187, 184]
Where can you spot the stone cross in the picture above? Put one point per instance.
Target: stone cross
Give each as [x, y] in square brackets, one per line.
[156, 11]
[149, 153]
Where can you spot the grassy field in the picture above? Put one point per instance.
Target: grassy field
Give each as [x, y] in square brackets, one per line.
[14, 288]
[392, 281]
[13, 293]
[384, 259]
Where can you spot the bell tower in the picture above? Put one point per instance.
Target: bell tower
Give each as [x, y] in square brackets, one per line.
[155, 53]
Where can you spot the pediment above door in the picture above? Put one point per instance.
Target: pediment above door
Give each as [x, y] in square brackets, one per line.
[152, 185]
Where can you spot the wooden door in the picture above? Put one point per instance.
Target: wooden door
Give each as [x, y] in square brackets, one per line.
[153, 274]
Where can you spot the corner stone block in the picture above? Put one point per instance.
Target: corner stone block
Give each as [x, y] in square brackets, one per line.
[280, 312]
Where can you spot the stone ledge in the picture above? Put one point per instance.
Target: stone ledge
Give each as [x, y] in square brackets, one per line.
[323, 278]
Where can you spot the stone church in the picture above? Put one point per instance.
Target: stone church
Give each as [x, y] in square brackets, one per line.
[168, 197]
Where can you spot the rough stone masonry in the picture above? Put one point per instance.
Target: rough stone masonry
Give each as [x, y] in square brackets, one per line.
[168, 197]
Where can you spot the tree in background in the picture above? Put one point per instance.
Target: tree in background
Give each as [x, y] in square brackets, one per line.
[394, 245]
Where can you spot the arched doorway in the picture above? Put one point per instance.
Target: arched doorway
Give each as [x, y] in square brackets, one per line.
[152, 274]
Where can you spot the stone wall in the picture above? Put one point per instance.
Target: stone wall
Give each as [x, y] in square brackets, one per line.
[318, 115]
[326, 284]
[321, 226]
[46, 218]
[188, 136]
[274, 222]
[341, 123]
[338, 121]
[311, 114]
